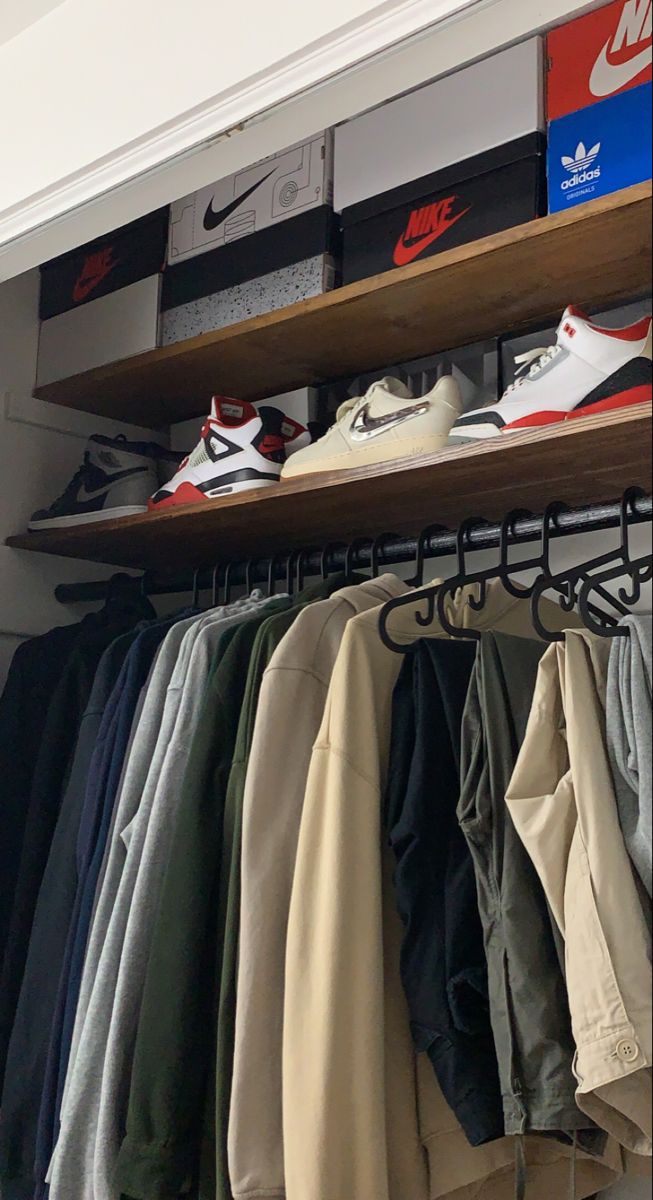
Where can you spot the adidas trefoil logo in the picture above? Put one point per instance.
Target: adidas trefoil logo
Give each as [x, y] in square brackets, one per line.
[579, 167]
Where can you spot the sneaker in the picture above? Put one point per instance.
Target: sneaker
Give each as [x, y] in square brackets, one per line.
[589, 370]
[114, 480]
[386, 423]
[239, 449]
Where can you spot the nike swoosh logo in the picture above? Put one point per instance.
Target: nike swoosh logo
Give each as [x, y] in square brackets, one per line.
[84, 287]
[407, 254]
[213, 219]
[364, 426]
[111, 479]
[608, 77]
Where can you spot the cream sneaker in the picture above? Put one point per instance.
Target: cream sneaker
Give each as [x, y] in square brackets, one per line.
[386, 423]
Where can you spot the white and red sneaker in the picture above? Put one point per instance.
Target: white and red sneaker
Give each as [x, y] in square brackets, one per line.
[239, 449]
[589, 370]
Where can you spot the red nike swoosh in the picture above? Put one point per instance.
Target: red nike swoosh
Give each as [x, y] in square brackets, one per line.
[407, 254]
[84, 287]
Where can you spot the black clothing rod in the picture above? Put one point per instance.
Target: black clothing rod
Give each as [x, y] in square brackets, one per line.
[391, 551]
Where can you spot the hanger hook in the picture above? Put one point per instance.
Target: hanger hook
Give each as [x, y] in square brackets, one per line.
[215, 586]
[423, 543]
[290, 573]
[352, 551]
[549, 518]
[227, 582]
[539, 588]
[519, 591]
[302, 558]
[249, 569]
[272, 574]
[196, 588]
[455, 631]
[377, 551]
[324, 558]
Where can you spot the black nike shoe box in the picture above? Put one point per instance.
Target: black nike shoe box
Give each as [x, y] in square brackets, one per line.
[491, 192]
[107, 264]
[277, 266]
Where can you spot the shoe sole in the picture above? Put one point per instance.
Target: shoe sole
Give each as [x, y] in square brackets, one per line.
[232, 489]
[538, 420]
[367, 456]
[112, 514]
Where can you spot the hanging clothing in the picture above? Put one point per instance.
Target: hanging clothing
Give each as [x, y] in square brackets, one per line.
[100, 1111]
[74, 1153]
[168, 1094]
[528, 998]
[270, 636]
[348, 1085]
[290, 708]
[443, 964]
[34, 674]
[562, 802]
[51, 771]
[97, 813]
[30, 1037]
[629, 719]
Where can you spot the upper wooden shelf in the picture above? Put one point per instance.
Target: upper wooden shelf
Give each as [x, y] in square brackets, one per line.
[595, 255]
[581, 462]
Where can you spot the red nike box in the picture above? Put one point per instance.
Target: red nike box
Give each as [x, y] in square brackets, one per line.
[485, 194]
[599, 55]
[115, 261]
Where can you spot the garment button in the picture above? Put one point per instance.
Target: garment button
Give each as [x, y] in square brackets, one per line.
[628, 1050]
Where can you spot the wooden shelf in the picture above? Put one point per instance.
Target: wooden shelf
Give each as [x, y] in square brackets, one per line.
[582, 461]
[596, 255]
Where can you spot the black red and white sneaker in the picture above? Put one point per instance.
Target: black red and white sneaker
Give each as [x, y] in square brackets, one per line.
[240, 448]
[589, 370]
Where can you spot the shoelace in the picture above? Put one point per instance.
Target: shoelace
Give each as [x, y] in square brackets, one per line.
[531, 363]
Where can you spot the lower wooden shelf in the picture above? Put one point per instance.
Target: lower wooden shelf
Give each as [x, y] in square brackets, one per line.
[581, 462]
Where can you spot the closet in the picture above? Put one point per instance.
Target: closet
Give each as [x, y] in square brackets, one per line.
[535, 532]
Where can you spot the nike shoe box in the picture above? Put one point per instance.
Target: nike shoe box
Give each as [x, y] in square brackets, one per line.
[490, 192]
[496, 101]
[600, 149]
[264, 195]
[253, 275]
[598, 56]
[100, 302]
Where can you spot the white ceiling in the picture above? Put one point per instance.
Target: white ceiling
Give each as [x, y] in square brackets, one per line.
[17, 15]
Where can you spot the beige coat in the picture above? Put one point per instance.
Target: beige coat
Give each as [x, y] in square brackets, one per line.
[563, 804]
[362, 1119]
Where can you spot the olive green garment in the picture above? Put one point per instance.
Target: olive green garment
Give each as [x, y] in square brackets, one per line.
[268, 638]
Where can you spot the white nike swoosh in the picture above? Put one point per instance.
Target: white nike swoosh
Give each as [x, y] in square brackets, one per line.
[608, 77]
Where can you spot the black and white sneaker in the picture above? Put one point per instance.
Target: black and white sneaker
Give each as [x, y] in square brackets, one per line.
[239, 449]
[115, 480]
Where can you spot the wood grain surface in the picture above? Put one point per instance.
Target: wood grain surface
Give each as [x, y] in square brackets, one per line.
[582, 461]
[594, 255]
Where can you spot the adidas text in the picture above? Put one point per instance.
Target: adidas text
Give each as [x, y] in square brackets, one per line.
[581, 178]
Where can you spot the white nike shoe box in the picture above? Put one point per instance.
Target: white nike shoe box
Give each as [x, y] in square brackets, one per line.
[101, 331]
[474, 110]
[269, 192]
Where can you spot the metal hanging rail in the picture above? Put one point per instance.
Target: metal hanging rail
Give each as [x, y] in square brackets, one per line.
[388, 549]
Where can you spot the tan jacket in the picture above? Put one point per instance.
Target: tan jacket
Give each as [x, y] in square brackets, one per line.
[361, 1122]
[288, 717]
[563, 804]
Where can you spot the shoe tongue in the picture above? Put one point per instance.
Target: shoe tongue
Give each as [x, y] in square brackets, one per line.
[394, 387]
[231, 412]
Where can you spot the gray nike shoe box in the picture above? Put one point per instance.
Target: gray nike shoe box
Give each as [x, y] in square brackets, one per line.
[273, 190]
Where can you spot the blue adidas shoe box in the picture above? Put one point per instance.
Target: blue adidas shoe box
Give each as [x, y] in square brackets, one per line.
[600, 149]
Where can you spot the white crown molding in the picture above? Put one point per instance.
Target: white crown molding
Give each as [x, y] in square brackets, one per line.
[402, 45]
[386, 25]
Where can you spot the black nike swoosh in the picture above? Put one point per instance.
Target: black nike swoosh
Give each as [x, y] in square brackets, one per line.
[213, 219]
[109, 479]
